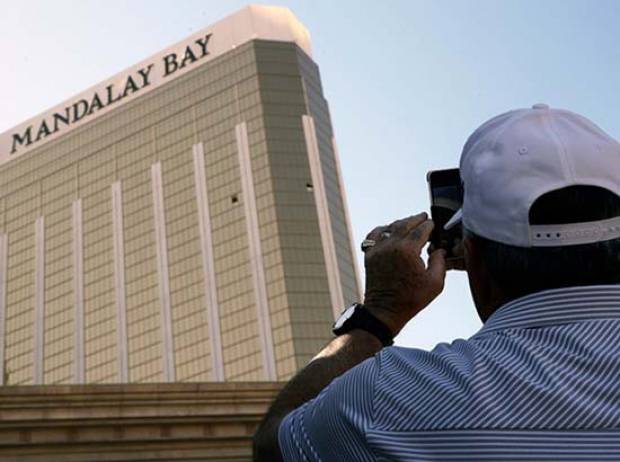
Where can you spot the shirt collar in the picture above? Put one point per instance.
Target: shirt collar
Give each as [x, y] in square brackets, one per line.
[557, 306]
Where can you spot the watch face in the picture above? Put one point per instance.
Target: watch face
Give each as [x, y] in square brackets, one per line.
[344, 316]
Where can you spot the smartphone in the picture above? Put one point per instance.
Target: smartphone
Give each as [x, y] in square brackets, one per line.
[446, 194]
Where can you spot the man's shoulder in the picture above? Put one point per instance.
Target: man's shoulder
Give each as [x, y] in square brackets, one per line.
[419, 389]
[510, 378]
[456, 359]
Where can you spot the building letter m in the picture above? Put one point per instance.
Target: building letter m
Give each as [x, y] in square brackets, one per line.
[25, 139]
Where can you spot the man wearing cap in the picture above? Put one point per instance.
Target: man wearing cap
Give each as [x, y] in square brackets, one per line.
[541, 379]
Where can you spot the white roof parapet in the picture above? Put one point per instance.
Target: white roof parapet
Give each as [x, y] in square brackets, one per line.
[249, 23]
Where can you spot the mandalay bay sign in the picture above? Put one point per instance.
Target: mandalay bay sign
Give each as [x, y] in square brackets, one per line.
[252, 22]
[111, 94]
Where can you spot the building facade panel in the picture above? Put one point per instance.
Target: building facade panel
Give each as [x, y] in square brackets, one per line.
[319, 110]
[96, 173]
[20, 214]
[189, 322]
[286, 103]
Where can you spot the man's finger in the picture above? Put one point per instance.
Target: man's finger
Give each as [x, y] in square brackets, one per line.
[421, 234]
[436, 269]
[404, 226]
[375, 234]
[455, 264]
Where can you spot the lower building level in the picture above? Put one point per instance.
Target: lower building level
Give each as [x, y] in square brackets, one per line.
[137, 422]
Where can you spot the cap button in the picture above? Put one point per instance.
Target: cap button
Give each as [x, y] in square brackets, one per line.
[540, 106]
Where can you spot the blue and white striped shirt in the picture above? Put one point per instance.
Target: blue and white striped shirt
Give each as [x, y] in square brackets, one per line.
[539, 381]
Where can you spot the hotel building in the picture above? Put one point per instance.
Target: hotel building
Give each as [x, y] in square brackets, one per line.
[185, 220]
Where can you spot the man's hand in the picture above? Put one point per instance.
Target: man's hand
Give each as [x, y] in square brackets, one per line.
[398, 283]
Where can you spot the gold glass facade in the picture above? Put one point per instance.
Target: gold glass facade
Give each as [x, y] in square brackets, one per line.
[126, 235]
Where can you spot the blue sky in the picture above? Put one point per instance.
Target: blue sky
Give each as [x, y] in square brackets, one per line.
[407, 82]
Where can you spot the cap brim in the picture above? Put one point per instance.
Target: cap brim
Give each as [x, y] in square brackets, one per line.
[455, 220]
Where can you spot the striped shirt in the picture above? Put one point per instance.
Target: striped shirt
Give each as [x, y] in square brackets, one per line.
[539, 381]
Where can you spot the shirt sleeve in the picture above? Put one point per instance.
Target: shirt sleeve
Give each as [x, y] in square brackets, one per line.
[332, 426]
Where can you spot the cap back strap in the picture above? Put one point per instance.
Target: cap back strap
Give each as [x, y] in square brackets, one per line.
[574, 233]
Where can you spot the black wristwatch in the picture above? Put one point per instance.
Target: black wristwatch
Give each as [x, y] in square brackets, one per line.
[357, 317]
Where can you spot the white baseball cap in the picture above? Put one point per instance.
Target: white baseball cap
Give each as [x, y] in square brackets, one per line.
[516, 157]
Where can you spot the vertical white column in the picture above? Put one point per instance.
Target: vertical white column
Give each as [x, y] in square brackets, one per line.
[162, 266]
[78, 292]
[347, 216]
[39, 298]
[256, 253]
[208, 266]
[4, 247]
[119, 282]
[325, 226]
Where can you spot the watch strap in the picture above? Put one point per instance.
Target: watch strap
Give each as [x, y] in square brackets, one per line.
[363, 319]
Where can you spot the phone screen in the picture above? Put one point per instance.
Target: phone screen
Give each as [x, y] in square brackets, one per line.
[446, 191]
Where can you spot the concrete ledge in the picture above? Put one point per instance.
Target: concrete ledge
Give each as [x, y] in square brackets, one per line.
[132, 422]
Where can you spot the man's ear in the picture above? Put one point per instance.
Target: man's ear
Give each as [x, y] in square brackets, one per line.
[485, 293]
[470, 252]
[478, 277]
[474, 263]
